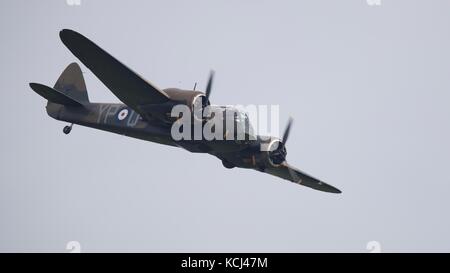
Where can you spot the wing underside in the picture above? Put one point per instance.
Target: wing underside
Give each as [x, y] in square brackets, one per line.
[292, 174]
[127, 85]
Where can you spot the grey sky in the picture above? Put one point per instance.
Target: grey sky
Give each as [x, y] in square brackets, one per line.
[368, 87]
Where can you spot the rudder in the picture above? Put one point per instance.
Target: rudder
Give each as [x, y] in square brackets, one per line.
[71, 83]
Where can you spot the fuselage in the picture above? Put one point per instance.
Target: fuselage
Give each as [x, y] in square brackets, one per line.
[121, 119]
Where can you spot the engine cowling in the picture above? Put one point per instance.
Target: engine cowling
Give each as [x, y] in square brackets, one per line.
[270, 153]
[276, 152]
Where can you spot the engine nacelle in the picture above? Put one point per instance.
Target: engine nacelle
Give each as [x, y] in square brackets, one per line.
[267, 153]
[276, 152]
[195, 100]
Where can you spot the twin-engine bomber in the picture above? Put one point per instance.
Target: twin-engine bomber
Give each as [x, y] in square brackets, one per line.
[146, 113]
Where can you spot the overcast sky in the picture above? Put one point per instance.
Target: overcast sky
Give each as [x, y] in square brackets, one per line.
[367, 86]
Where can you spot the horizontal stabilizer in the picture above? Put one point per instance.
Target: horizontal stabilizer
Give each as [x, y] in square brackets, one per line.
[53, 95]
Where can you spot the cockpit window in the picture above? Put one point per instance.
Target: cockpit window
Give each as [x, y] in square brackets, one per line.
[240, 119]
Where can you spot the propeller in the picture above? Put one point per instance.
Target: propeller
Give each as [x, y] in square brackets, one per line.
[209, 85]
[279, 155]
[286, 131]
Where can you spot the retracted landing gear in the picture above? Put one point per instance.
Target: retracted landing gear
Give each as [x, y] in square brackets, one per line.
[67, 129]
[227, 164]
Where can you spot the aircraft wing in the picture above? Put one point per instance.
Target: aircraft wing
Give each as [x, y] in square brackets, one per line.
[128, 86]
[294, 175]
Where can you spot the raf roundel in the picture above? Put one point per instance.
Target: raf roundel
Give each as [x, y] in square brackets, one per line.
[122, 114]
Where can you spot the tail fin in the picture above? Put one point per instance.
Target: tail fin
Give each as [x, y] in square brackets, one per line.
[71, 83]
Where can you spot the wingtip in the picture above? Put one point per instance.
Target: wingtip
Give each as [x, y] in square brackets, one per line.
[63, 32]
[332, 189]
[34, 85]
[63, 35]
[322, 186]
[67, 35]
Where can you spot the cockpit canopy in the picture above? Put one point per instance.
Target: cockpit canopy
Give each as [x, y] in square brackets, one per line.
[236, 117]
